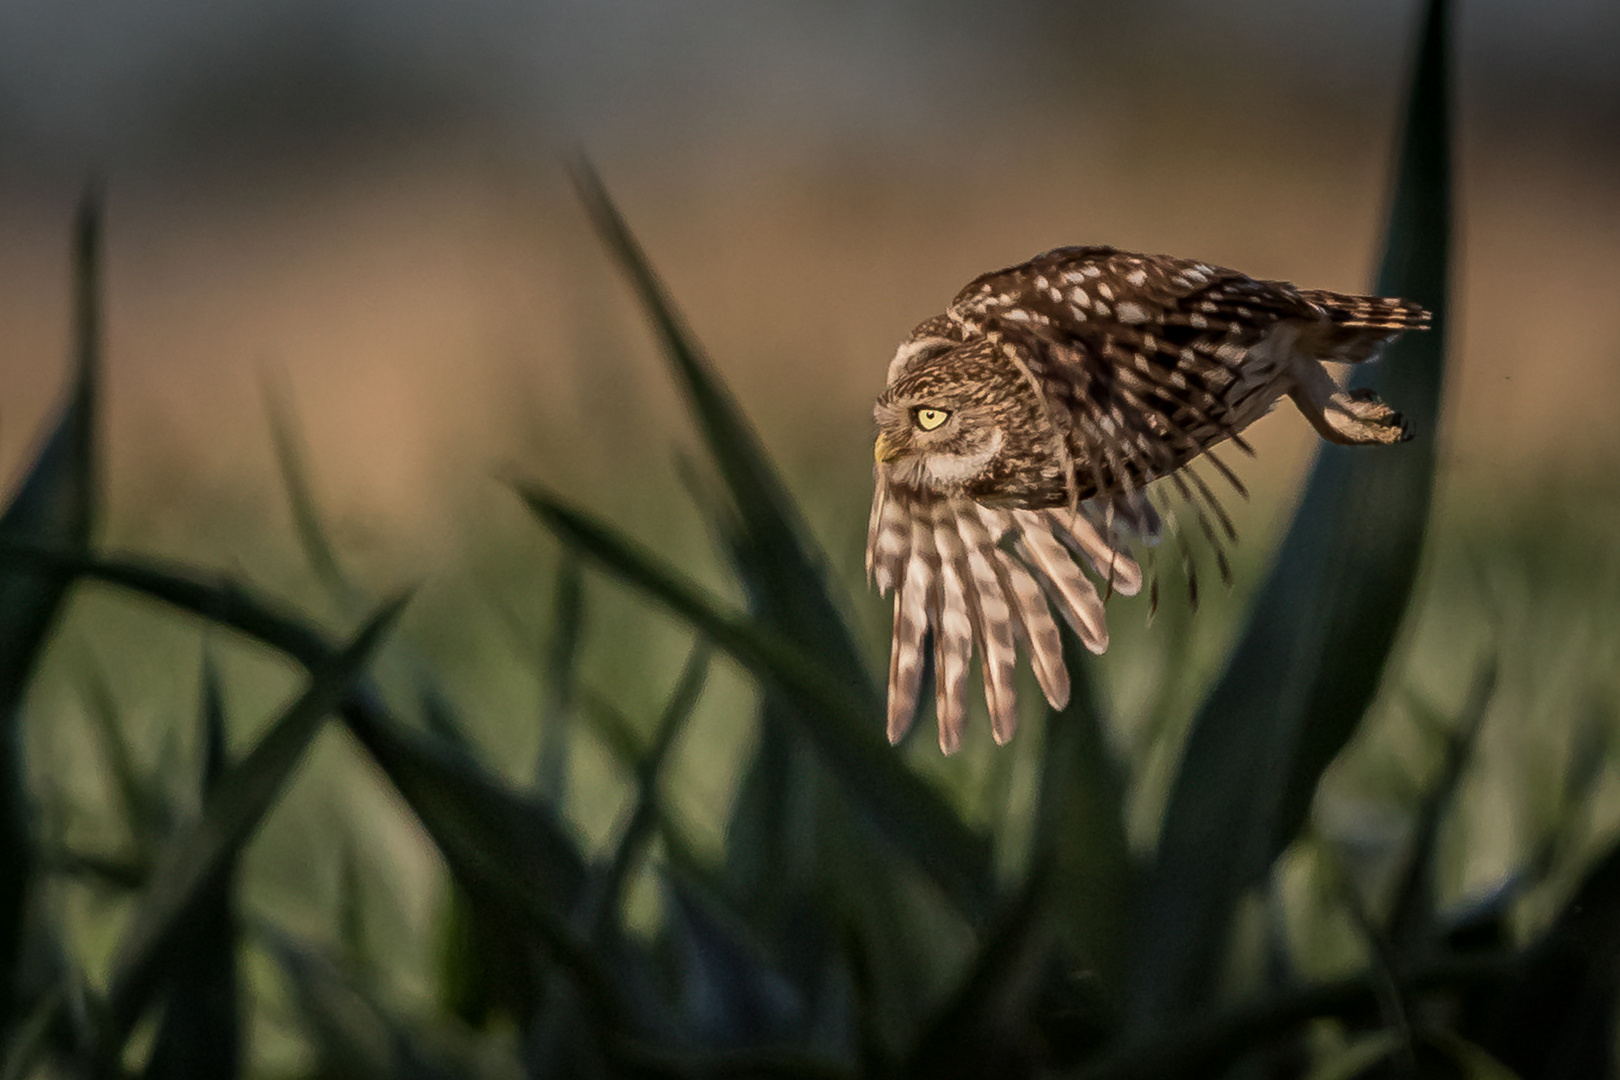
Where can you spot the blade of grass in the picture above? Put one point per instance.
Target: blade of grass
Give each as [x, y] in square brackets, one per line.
[306, 514]
[1555, 1016]
[194, 862]
[1209, 1047]
[644, 816]
[200, 1034]
[842, 727]
[1314, 650]
[56, 504]
[967, 1034]
[466, 811]
[1080, 837]
[798, 583]
[561, 670]
[140, 805]
[353, 1035]
[1412, 923]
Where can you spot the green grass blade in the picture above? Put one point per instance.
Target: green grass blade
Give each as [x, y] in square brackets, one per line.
[141, 806]
[1412, 923]
[201, 1030]
[451, 794]
[312, 536]
[353, 1035]
[844, 728]
[646, 813]
[797, 586]
[1312, 655]
[454, 797]
[196, 860]
[56, 505]
[1080, 841]
[200, 1034]
[561, 674]
[1555, 1017]
[735, 994]
[969, 1033]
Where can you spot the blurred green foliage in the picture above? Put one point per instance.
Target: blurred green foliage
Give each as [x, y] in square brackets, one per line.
[860, 917]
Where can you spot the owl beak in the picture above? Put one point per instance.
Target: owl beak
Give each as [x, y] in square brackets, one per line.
[883, 450]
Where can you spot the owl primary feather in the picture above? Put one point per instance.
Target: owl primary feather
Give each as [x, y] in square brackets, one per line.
[1019, 430]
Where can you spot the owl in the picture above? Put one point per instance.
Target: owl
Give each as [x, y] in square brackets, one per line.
[1019, 431]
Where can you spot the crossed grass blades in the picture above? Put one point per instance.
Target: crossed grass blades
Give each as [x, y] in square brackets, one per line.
[856, 924]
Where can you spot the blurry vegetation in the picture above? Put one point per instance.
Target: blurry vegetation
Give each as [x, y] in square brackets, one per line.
[865, 910]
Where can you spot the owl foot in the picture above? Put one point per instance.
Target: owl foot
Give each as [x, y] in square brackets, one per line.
[1349, 417]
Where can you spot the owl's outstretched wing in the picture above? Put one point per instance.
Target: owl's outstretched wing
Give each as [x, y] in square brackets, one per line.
[948, 563]
[1149, 360]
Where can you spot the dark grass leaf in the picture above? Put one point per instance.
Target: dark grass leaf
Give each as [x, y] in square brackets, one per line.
[733, 994]
[844, 728]
[1412, 923]
[979, 1030]
[56, 504]
[306, 515]
[601, 912]
[561, 674]
[1080, 840]
[353, 1035]
[495, 843]
[1209, 1046]
[439, 716]
[112, 871]
[773, 837]
[792, 586]
[141, 805]
[200, 1034]
[1554, 1019]
[351, 911]
[1312, 655]
[518, 873]
[194, 862]
[29, 1040]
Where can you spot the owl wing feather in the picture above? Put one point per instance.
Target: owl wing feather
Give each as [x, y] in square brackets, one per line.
[944, 560]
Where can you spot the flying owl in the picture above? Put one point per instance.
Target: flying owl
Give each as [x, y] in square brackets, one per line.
[1019, 430]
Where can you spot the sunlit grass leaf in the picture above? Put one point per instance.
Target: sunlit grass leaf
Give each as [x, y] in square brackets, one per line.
[200, 1034]
[1080, 840]
[195, 860]
[840, 725]
[56, 504]
[1313, 653]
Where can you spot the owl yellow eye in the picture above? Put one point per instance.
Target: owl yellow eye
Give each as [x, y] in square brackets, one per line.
[929, 419]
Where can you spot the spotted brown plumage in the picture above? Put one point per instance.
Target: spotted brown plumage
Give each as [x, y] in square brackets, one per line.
[1020, 429]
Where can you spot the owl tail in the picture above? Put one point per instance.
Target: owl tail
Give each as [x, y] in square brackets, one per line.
[1357, 328]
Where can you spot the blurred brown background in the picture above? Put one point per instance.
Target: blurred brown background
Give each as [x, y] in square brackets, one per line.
[365, 204]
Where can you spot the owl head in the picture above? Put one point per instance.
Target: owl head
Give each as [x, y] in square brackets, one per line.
[963, 420]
